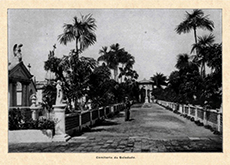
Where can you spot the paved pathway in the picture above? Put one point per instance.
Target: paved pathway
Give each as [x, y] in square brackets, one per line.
[152, 129]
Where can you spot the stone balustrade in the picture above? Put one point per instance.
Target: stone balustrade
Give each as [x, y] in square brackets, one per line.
[68, 124]
[208, 117]
[27, 112]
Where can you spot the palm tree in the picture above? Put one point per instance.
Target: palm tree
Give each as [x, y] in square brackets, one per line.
[193, 21]
[127, 61]
[112, 57]
[159, 80]
[203, 51]
[185, 65]
[116, 55]
[182, 61]
[214, 60]
[81, 31]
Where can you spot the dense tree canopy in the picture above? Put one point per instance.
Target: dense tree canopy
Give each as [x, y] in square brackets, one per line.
[187, 84]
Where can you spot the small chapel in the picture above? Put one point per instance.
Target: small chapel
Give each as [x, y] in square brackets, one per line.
[21, 85]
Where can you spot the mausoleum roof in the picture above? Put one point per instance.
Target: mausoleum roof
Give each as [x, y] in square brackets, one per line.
[144, 81]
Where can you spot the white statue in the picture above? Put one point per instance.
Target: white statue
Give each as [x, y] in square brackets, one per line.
[17, 52]
[59, 93]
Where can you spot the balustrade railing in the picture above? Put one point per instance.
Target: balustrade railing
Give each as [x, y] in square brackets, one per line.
[209, 117]
[76, 121]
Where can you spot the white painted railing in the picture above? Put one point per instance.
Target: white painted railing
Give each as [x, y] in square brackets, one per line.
[208, 117]
[70, 123]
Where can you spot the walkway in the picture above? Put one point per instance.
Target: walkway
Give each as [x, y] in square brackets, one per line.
[152, 129]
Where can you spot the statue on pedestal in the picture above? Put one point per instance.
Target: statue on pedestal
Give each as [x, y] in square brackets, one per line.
[17, 58]
[17, 52]
[59, 93]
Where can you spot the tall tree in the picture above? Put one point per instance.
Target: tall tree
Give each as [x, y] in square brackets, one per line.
[81, 31]
[159, 80]
[113, 57]
[75, 78]
[127, 61]
[214, 60]
[203, 47]
[194, 21]
[182, 62]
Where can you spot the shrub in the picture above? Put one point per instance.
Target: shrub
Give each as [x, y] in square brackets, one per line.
[15, 119]
[46, 124]
[16, 122]
[29, 124]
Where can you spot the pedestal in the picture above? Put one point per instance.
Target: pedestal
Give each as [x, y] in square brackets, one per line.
[205, 117]
[34, 112]
[59, 116]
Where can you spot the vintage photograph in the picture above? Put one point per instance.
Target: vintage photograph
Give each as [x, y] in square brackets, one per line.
[114, 80]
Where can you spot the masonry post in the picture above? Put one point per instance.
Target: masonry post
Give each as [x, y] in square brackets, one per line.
[219, 114]
[59, 116]
[33, 107]
[196, 113]
[205, 116]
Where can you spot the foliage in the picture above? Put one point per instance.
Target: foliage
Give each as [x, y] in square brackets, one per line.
[203, 49]
[81, 31]
[116, 56]
[187, 84]
[195, 20]
[16, 122]
[15, 118]
[48, 96]
[159, 80]
[81, 76]
[46, 124]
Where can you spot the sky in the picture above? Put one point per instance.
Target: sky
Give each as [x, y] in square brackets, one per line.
[147, 34]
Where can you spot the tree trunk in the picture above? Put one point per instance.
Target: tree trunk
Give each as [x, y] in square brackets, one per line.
[77, 52]
[194, 28]
[123, 66]
[204, 74]
[115, 73]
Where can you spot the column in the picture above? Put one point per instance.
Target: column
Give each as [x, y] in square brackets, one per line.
[25, 94]
[219, 121]
[205, 117]
[80, 123]
[189, 110]
[146, 94]
[14, 94]
[34, 109]
[59, 115]
[91, 117]
[196, 113]
[10, 97]
[150, 96]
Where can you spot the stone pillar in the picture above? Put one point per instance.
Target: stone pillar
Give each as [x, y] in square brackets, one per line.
[205, 117]
[146, 95]
[196, 113]
[33, 108]
[189, 110]
[25, 94]
[112, 109]
[219, 121]
[10, 94]
[180, 109]
[91, 117]
[13, 94]
[80, 123]
[59, 116]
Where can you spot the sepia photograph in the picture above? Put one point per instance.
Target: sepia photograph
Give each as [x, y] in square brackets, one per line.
[115, 80]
